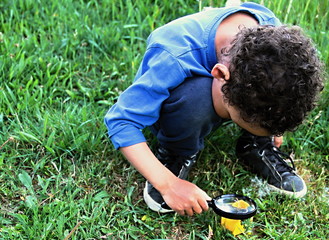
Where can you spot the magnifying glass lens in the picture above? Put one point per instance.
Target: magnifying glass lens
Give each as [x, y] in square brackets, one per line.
[234, 205]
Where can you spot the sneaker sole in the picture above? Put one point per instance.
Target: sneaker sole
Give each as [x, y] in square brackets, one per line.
[153, 205]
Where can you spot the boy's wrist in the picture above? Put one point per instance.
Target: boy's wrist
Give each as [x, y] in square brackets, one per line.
[165, 183]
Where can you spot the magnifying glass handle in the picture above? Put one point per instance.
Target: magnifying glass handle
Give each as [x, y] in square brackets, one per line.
[165, 206]
[211, 204]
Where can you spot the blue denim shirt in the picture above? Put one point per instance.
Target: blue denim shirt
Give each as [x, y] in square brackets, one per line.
[180, 49]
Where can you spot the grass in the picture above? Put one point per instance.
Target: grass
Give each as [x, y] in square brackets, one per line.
[62, 65]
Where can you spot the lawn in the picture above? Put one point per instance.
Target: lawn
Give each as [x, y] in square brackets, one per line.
[63, 63]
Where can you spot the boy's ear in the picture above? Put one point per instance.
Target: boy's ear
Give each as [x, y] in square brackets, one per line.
[220, 71]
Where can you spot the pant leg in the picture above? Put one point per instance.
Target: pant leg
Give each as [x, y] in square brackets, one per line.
[187, 117]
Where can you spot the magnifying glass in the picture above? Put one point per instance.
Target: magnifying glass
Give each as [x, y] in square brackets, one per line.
[233, 206]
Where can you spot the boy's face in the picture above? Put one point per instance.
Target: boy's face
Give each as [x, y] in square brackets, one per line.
[250, 127]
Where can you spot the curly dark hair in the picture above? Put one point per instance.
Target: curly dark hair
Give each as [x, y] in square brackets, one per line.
[276, 76]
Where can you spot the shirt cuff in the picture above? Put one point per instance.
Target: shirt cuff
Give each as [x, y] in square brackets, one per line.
[128, 136]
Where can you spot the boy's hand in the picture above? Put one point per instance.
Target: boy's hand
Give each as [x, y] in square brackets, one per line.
[185, 197]
[278, 141]
[180, 195]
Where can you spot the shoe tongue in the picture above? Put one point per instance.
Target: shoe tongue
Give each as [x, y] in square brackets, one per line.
[280, 164]
[283, 168]
[273, 154]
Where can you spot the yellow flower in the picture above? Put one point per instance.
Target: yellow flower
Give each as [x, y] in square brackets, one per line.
[240, 204]
[233, 225]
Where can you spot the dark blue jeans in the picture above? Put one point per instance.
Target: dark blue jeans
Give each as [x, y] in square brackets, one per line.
[187, 117]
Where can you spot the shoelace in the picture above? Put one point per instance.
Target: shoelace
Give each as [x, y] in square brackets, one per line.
[277, 156]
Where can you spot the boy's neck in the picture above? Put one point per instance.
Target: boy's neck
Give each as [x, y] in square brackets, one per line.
[229, 27]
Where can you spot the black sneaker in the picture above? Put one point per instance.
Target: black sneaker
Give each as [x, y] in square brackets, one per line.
[267, 161]
[178, 165]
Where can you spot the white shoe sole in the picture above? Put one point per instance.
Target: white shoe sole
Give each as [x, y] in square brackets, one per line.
[153, 205]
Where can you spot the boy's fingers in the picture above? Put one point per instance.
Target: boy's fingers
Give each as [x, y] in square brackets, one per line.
[182, 212]
[197, 209]
[203, 203]
[189, 212]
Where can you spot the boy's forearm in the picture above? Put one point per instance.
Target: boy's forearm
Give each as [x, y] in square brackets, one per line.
[142, 158]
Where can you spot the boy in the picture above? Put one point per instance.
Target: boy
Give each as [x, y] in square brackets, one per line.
[198, 71]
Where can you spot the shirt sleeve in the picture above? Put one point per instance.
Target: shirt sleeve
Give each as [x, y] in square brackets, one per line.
[139, 105]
